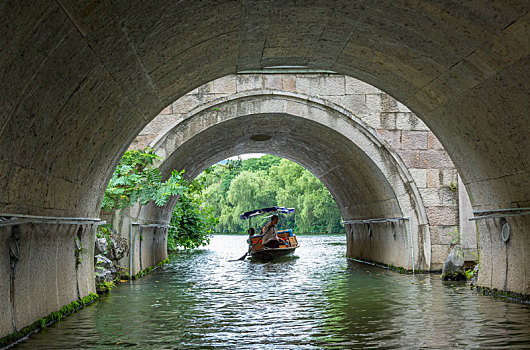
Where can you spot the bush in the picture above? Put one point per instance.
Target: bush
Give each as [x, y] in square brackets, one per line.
[192, 221]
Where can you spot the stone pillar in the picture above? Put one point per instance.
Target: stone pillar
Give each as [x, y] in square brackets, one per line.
[147, 245]
[383, 243]
[504, 265]
[51, 271]
[468, 229]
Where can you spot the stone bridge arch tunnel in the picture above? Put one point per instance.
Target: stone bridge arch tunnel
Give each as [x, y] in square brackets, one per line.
[363, 173]
[80, 80]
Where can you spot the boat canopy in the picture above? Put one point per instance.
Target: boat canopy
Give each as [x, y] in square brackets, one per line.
[256, 212]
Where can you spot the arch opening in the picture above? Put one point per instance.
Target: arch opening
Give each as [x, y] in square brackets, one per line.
[363, 175]
[81, 81]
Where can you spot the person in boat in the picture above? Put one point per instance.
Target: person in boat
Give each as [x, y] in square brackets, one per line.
[251, 232]
[270, 234]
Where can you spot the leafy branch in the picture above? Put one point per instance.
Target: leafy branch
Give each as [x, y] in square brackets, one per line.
[136, 180]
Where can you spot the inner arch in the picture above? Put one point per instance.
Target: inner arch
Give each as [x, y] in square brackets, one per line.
[359, 170]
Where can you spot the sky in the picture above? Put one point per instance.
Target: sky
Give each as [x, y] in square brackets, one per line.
[247, 156]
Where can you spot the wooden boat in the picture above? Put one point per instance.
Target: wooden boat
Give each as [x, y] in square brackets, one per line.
[257, 250]
[262, 253]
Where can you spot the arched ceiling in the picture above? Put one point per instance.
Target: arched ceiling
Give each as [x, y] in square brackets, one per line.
[349, 174]
[365, 177]
[80, 80]
[364, 174]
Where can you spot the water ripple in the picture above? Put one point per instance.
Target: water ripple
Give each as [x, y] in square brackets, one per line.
[316, 300]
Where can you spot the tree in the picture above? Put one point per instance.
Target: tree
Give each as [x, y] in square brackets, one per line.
[135, 180]
[270, 181]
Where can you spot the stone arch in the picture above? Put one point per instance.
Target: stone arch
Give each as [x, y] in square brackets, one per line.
[364, 168]
[81, 80]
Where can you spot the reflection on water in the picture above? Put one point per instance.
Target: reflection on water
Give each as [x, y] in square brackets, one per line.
[315, 300]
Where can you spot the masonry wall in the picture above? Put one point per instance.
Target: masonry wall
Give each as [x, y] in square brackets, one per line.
[48, 271]
[419, 149]
[147, 245]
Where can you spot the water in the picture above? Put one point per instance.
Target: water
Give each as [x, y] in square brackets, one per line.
[317, 300]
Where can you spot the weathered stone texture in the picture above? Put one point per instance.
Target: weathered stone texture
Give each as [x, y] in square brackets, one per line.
[405, 133]
[47, 260]
[442, 216]
[80, 82]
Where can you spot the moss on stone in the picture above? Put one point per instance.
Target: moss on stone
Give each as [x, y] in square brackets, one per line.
[149, 269]
[454, 276]
[512, 296]
[48, 320]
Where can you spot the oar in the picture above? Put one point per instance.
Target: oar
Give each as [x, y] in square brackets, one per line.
[243, 257]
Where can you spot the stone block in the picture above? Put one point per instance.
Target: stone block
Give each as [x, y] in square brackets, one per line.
[411, 158]
[355, 104]
[207, 88]
[470, 254]
[425, 159]
[439, 255]
[439, 196]
[249, 82]
[442, 216]
[323, 85]
[186, 103]
[442, 234]
[414, 140]
[388, 104]
[372, 119]
[419, 176]
[167, 110]
[373, 104]
[402, 108]
[433, 142]
[358, 87]
[433, 178]
[289, 82]
[448, 177]
[141, 142]
[160, 124]
[272, 82]
[392, 137]
[433, 197]
[409, 121]
[388, 120]
[225, 85]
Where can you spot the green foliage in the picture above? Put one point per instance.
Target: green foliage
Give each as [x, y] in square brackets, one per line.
[136, 180]
[79, 250]
[477, 258]
[192, 221]
[453, 187]
[105, 287]
[469, 273]
[104, 231]
[234, 188]
[457, 236]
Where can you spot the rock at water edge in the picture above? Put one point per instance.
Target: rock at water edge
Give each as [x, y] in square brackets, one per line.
[453, 269]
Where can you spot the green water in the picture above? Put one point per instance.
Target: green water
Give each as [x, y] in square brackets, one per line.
[316, 300]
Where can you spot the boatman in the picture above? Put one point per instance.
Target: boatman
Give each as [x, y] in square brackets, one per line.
[270, 235]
